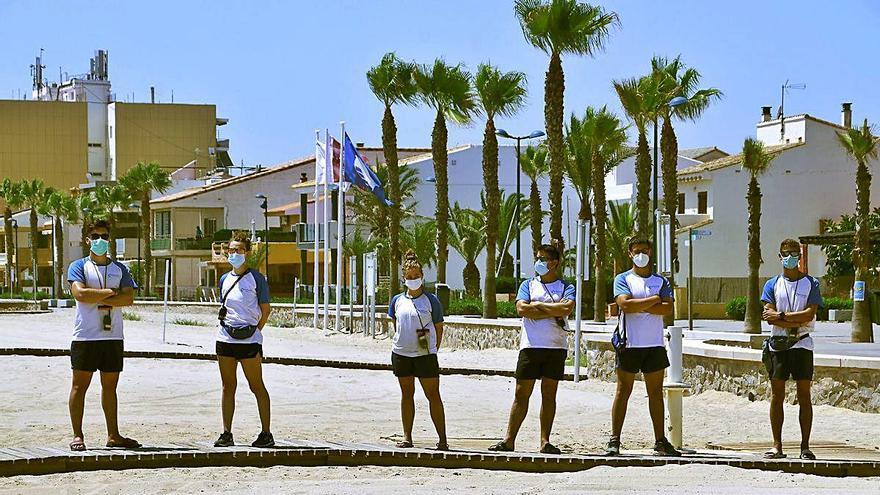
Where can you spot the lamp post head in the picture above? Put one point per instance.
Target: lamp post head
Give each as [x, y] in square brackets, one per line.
[503, 133]
[14, 223]
[431, 179]
[535, 134]
[677, 101]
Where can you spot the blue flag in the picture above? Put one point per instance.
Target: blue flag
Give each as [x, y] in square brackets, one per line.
[357, 172]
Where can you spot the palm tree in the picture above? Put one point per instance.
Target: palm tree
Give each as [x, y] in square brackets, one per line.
[62, 208]
[392, 82]
[446, 89]
[500, 95]
[140, 182]
[535, 165]
[356, 245]
[506, 218]
[468, 237]
[112, 199]
[756, 160]
[88, 210]
[620, 226]
[557, 27]
[421, 237]
[639, 97]
[34, 193]
[10, 192]
[861, 144]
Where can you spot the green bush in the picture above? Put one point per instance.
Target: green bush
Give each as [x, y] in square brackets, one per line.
[507, 310]
[505, 285]
[736, 308]
[838, 303]
[465, 306]
[131, 316]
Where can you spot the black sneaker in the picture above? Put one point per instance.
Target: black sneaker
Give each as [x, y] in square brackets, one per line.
[264, 440]
[664, 448]
[225, 440]
[613, 447]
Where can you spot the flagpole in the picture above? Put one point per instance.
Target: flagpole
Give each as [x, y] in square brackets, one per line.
[340, 198]
[315, 298]
[329, 146]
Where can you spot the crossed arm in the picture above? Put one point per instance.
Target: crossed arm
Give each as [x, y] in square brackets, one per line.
[654, 305]
[795, 319]
[106, 297]
[537, 310]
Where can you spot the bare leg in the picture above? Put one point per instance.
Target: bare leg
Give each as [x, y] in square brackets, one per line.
[518, 410]
[625, 382]
[228, 369]
[431, 387]
[654, 385]
[777, 413]
[109, 381]
[253, 371]
[77, 400]
[806, 411]
[407, 405]
[548, 408]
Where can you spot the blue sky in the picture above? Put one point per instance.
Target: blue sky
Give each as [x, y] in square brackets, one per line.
[279, 70]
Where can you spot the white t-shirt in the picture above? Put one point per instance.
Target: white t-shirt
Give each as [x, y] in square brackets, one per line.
[545, 333]
[243, 304]
[791, 296]
[89, 323]
[410, 315]
[642, 329]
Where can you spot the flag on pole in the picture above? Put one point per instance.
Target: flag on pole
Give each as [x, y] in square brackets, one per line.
[324, 167]
[357, 172]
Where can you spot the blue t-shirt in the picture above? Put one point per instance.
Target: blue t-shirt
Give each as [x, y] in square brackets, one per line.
[791, 296]
[243, 304]
[642, 329]
[412, 314]
[89, 323]
[545, 333]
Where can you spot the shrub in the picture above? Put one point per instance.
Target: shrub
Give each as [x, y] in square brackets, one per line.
[505, 285]
[465, 306]
[838, 303]
[189, 322]
[736, 308]
[131, 316]
[507, 309]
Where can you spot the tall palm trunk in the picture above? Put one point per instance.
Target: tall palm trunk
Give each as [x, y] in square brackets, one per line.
[536, 216]
[439, 155]
[35, 265]
[7, 233]
[490, 182]
[84, 234]
[554, 88]
[146, 234]
[389, 147]
[599, 238]
[753, 299]
[111, 219]
[585, 214]
[669, 167]
[862, 330]
[58, 233]
[643, 185]
[471, 276]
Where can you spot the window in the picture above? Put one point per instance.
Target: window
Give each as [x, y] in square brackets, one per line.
[702, 202]
[680, 203]
[162, 227]
[111, 132]
[209, 226]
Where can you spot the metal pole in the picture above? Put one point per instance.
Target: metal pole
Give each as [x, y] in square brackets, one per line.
[327, 179]
[167, 285]
[691, 279]
[266, 233]
[654, 188]
[517, 265]
[140, 268]
[578, 278]
[315, 298]
[339, 221]
[675, 386]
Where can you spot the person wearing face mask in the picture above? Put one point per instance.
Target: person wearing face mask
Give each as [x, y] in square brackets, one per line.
[644, 298]
[544, 302]
[790, 304]
[101, 287]
[417, 316]
[244, 311]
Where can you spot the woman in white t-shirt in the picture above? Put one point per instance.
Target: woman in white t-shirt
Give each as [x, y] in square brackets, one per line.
[418, 330]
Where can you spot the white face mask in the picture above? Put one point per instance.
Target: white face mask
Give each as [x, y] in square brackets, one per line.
[413, 284]
[641, 260]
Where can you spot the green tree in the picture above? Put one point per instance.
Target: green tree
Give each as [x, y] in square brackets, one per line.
[506, 222]
[34, 193]
[113, 198]
[500, 95]
[535, 165]
[861, 145]
[62, 208]
[421, 237]
[392, 83]
[141, 181]
[839, 257]
[88, 210]
[10, 192]
[468, 237]
[446, 89]
[756, 160]
[356, 245]
[620, 226]
[560, 27]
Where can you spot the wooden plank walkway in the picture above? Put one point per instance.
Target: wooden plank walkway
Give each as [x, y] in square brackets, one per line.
[47, 460]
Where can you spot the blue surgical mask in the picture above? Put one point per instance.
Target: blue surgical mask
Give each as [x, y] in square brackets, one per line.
[790, 262]
[541, 268]
[100, 246]
[236, 260]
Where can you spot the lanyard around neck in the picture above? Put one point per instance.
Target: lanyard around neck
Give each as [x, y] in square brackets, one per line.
[790, 300]
[106, 267]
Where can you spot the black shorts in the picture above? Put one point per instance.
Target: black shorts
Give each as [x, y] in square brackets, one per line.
[239, 351]
[95, 355]
[535, 363]
[644, 359]
[419, 367]
[796, 364]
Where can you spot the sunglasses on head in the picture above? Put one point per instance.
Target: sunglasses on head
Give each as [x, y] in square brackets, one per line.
[95, 237]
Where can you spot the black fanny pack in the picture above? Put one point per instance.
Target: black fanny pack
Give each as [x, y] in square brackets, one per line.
[618, 338]
[240, 333]
[782, 343]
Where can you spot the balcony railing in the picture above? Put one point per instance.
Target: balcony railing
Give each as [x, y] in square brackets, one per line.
[193, 244]
[161, 244]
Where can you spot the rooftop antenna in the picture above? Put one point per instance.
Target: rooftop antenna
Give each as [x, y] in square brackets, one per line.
[37, 72]
[780, 114]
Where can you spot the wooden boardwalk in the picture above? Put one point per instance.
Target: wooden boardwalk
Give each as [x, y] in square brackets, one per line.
[48, 460]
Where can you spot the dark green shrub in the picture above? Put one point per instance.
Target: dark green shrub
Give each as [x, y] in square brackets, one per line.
[465, 306]
[838, 303]
[736, 308]
[505, 285]
[507, 309]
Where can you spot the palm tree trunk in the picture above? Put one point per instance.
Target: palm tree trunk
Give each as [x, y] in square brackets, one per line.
[440, 158]
[643, 185]
[599, 240]
[111, 218]
[471, 276]
[554, 89]
[669, 167]
[862, 329]
[536, 216]
[389, 147]
[490, 181]
[753, 299]
[59, 256]
[84, 234]
[35, 264]
[146, 235]
[10, 242]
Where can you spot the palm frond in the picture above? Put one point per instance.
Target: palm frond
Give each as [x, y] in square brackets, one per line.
[446, 88]
[565, 26]
[500, 94]
[392, 80]
[755, 158]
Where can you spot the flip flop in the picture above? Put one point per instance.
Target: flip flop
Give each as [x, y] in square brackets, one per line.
[77, 445]
[125, 443]
[501, 447]
[442, 446]
[404, 445]
[808, 455]
[549, 448]
[772, 454]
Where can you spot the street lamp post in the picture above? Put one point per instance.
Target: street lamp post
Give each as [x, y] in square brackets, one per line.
[140, 268]
[677, 101]
[265, 207]
[15, 254]
[535, 134]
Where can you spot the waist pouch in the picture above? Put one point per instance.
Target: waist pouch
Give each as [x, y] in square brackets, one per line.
[782, 343]
[240, 333]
